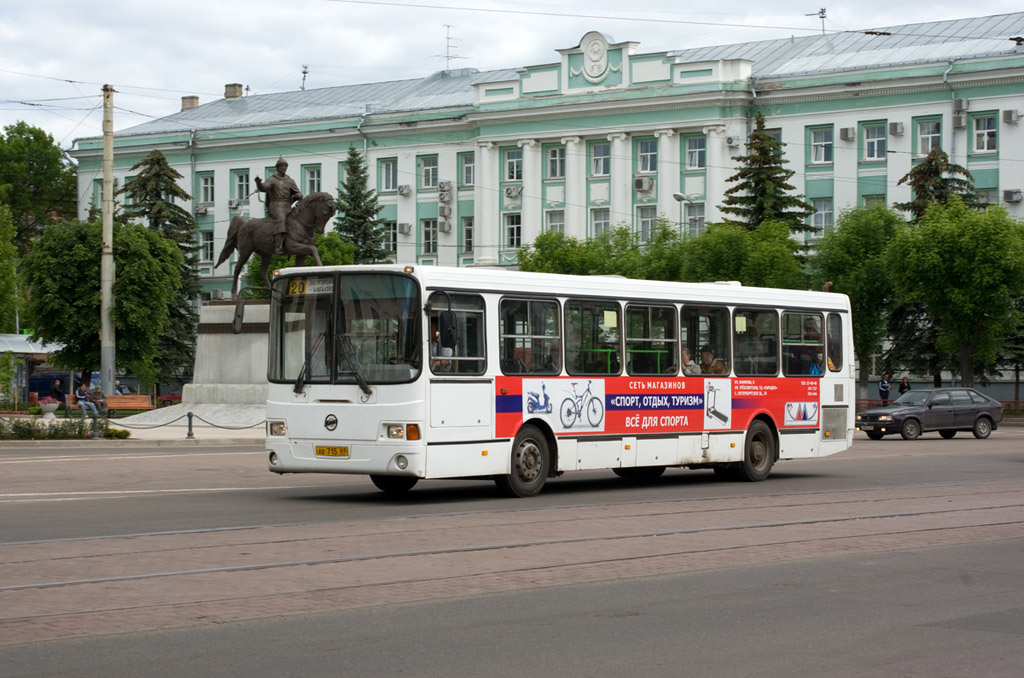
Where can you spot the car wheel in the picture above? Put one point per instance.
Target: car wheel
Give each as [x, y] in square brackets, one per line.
[911, 429]
[875, 435]
[947, 433]
[982, 428]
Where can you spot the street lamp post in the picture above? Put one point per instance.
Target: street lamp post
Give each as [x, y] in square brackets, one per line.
[680, 198]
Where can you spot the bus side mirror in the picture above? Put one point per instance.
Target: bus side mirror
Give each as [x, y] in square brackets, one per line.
[448, 326]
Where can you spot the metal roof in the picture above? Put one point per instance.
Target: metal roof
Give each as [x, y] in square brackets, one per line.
[20, 344]
[931, 42]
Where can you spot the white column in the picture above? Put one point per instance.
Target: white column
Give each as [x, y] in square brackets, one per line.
[485, 220]
[532, 206]
[575, 187]
[720, 166]
[668, 172]
[621, 208]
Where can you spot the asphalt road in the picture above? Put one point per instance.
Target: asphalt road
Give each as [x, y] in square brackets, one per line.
[894, 558]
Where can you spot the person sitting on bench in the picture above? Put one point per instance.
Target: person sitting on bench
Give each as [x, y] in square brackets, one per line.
[83, 400]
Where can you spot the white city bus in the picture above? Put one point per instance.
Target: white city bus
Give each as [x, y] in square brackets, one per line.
[405, 373]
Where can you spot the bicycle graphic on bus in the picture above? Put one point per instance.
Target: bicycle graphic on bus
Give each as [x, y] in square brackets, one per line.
[579, 405]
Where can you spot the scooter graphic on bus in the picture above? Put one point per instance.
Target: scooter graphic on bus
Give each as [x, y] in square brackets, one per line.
[538, 401]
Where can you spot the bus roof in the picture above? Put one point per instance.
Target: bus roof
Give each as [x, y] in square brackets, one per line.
[506, 281]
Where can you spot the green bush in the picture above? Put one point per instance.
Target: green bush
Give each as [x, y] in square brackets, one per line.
[63, 429]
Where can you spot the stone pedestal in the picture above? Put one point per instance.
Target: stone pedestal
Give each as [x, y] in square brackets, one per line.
[230, 368]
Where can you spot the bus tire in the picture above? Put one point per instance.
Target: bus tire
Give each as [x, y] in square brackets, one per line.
[394, 484]
[530, 463]
[758, 453]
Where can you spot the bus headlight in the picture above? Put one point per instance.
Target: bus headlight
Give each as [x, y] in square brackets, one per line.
[276, 428]
[396, 431]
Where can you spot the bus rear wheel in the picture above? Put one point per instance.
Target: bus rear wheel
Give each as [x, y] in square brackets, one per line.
[758, 453]
[394, 484]
[530, 463]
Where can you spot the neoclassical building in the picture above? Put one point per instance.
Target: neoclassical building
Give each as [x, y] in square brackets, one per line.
[469, 166]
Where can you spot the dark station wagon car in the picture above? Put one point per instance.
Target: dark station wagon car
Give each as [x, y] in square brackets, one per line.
[946, 410]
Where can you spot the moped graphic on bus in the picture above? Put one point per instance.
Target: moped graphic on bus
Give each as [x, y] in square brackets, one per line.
[580, 404]
[538, 402]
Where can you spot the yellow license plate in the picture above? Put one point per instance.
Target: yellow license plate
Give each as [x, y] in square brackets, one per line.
[324, 451]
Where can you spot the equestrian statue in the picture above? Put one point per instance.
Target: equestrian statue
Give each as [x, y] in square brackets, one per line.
[263, 236]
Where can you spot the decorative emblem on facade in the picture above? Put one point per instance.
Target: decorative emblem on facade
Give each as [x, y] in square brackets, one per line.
[595, 59]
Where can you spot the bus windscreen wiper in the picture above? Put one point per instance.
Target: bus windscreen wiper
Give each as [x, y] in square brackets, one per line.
[300, 381]
[347, 352]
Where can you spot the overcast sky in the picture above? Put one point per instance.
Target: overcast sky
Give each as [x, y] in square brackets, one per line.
[55, 55]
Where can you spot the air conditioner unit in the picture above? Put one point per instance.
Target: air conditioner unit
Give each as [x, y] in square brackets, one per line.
[513, 191]
[959, 104]
[896, 129]
[732, 141]
[234, 203]
[405, 189]
[1010, 117]
[444, 196]
[444, 210]
[444, 186]
[643, 184]
[218, 294]
[848, 133]
[1012, 195]
[202, 209]
[444, 226]
[404, 227]
[959, 121]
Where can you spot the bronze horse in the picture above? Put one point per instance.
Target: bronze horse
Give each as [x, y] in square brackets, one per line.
[310, 215]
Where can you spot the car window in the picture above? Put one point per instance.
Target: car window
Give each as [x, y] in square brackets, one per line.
[979, 398]
[912, 398]
[961, 397]
[940, 399]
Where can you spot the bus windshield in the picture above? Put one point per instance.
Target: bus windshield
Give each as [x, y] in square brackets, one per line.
[350, 328]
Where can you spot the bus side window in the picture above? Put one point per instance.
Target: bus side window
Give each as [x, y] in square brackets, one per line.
[802, 344]
[592, 337]
[529, 337]
[834, 326]
[704, 327]
[468, 356]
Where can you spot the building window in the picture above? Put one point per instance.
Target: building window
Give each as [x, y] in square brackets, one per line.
[556, 163]
[985, 134]
[467, 234]
[556, 221]
[601, 160]
[987, 196]
[513, 165]
[206, 188]
[391, 236]
[312, 180]
[206, 247]
[874, 142]
[929, 136]
[468, 171]
[430, 236]
[822, 219]
[872, 200]
[645, 217]
[600, 219]
[389, 174]
[241, 186]
[648, 155]
[428, 172]
[513, 231]
[821, 146]
[695, 218]
[696, 153]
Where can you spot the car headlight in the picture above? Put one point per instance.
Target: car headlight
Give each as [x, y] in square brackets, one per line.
[858, 417]
[884, 417]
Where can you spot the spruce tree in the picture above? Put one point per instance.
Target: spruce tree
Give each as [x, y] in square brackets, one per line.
[762, 191]
[936, 179]
[152, 194]
[357, 220]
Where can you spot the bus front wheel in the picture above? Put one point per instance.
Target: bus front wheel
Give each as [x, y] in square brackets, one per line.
[394, 484]
[530, 463]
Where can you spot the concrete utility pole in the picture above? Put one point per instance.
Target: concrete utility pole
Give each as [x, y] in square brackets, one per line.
[107, 352]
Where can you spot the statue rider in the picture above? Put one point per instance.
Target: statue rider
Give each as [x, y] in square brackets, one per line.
[281, 192]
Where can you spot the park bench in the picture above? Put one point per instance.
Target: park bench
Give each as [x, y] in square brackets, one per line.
[136, 401]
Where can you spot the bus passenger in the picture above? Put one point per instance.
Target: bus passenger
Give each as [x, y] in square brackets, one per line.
[690, 368]
[709, 364]
[437, 350]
